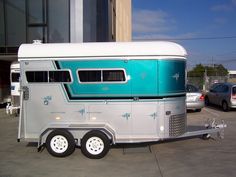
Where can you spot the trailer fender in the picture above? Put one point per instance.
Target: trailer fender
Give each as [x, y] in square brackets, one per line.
[78, 131]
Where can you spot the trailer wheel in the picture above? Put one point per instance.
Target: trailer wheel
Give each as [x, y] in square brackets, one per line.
[60, 143]
[95, 145]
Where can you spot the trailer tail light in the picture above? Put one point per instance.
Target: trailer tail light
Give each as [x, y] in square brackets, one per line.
[201, 98]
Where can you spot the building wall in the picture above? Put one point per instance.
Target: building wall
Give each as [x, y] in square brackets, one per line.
[232, 76]
[123, 11]
[76, 21]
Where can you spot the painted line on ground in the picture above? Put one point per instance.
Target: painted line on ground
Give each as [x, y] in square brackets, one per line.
[211, 112]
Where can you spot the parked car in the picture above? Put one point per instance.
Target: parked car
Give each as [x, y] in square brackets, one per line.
[194, 99]
[222, 94]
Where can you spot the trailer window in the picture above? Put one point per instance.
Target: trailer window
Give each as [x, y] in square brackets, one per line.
[113, 75]
[59, 76]
[37, 76]
[90, 76]
[103, 75]
[15, 77]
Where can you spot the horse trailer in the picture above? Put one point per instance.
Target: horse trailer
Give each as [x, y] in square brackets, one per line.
[94, 95]
[14, 105]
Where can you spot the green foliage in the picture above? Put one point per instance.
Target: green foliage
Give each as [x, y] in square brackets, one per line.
[215, 70]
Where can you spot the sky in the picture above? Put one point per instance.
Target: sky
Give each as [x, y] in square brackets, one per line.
[205, 28]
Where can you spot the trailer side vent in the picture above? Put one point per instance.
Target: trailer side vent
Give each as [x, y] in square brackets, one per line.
[177, 125]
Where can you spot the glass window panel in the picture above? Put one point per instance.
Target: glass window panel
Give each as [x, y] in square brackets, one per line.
[113, 76]
[225, 89]
[234, 90]
[102, 21]
[217, 88]
[191, 88]
[35, 11]
[37, 76]
[35, 33]
[2, 29]
[89, 21]
[15, 77]
[59, 76]
[15, 22]
[58, 29]
[90, 76]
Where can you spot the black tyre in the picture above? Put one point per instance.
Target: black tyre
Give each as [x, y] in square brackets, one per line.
[60, 143]
[207, 101]
[225, 106]
[95, 145]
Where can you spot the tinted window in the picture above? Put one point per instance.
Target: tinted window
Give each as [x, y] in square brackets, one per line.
[113, 75]
[191, 88]
[15, 77]
[59, 76]
[221, 88]
[215, 87]
[101, 75]
[90, 76]
[59, 30]
[218, 88]
[225, 88]
[234, 90]
[37, 76]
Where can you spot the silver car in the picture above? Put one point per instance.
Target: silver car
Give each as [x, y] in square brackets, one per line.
[194, 99]
[222, 94]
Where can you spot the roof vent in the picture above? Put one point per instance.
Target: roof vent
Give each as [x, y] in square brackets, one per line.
[37, 41]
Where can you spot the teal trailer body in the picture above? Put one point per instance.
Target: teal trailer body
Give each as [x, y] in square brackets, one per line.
[146, 78]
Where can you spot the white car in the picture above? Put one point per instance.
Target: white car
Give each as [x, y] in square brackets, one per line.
[194, 98]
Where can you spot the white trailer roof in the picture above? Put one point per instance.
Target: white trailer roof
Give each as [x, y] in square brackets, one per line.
[100, 49]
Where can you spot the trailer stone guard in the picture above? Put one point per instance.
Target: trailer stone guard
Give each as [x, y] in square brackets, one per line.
[94, 95]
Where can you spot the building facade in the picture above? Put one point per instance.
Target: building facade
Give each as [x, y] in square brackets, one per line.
[122, 20]
[53, 21]
[60, 21]
[232, 76]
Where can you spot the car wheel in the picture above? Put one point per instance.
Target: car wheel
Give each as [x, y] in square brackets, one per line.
[207, 101]
[95, 145]
[60, 143]
[225, 106]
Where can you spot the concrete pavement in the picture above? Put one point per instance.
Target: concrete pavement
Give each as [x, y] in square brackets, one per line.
[182, 158]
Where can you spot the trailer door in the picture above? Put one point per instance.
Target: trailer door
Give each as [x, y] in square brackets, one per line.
[144, 119]
[144, 106]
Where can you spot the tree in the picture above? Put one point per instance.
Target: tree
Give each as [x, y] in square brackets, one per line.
[215, 70]
[197, 71]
